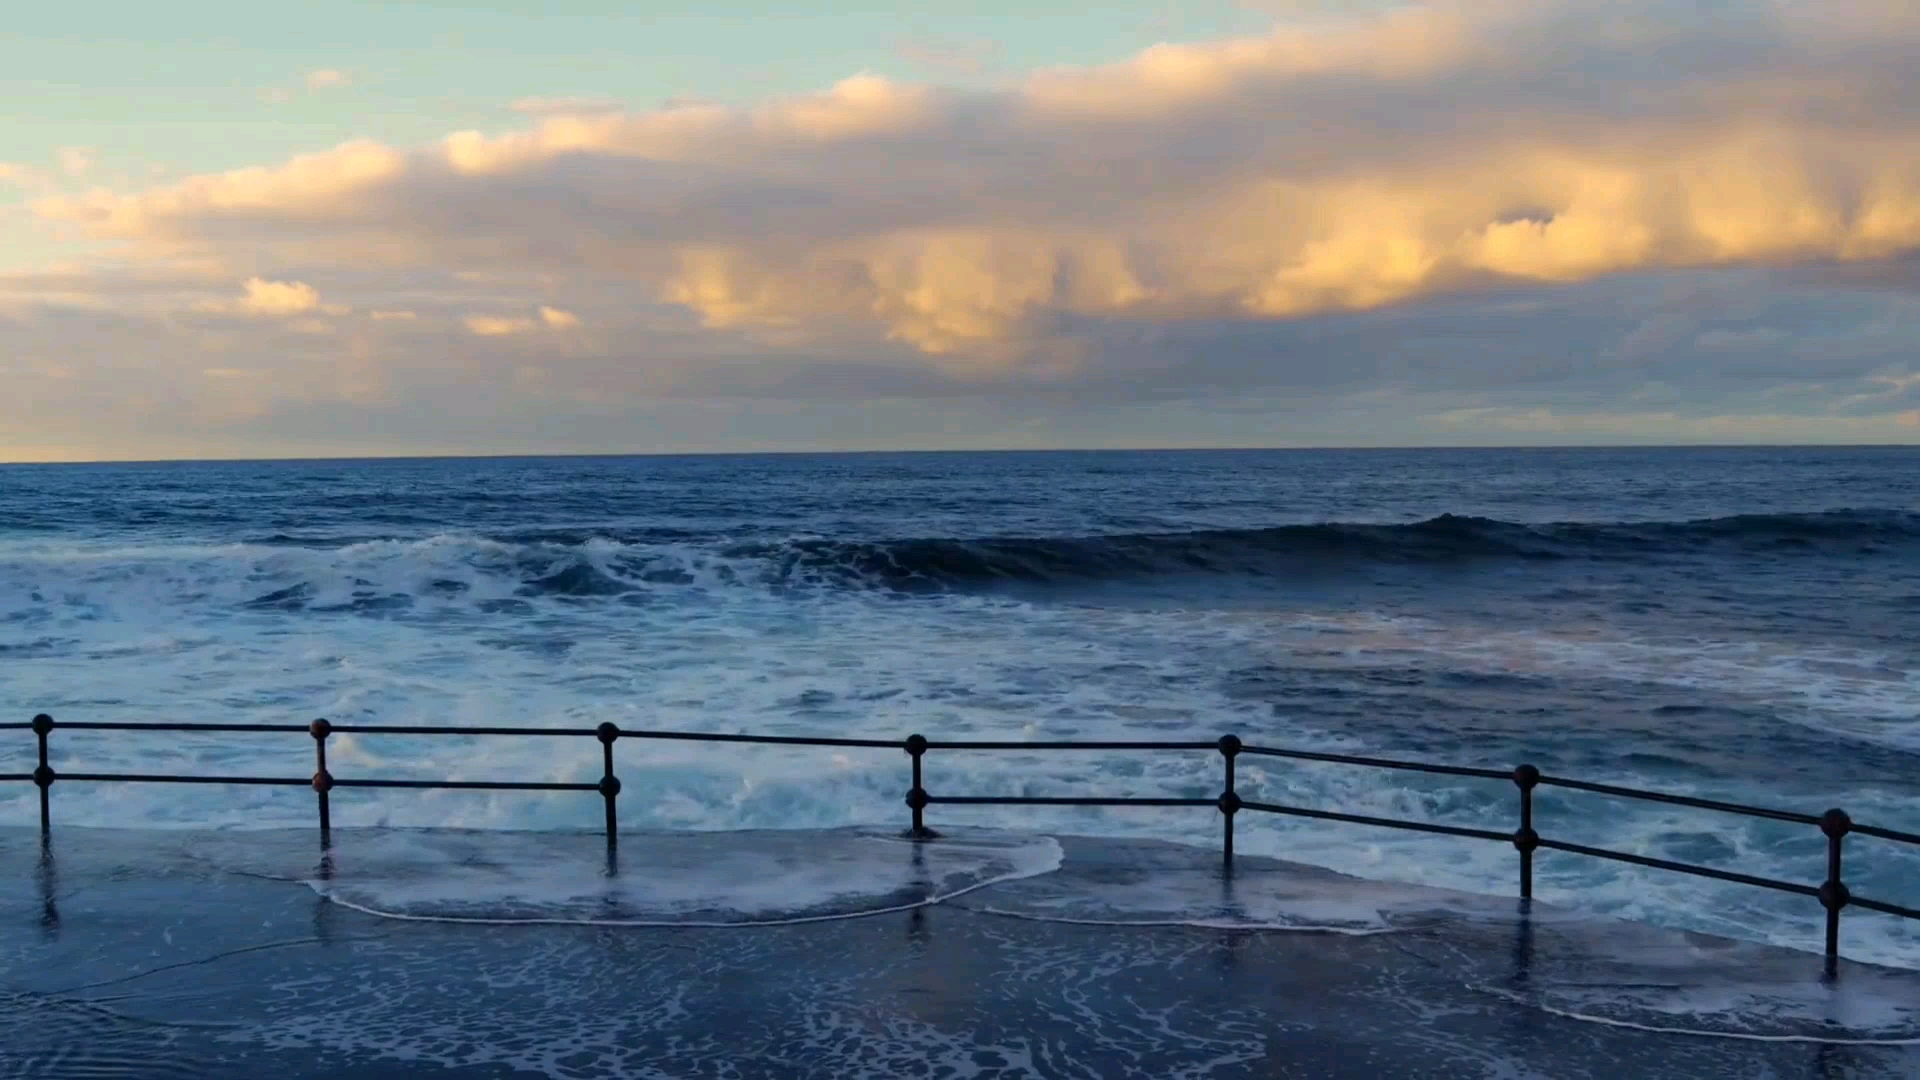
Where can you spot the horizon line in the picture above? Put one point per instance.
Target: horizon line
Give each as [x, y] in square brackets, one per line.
[584, 455]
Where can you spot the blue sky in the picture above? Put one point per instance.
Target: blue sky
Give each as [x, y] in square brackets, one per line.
[183, 85]
[149, 91]
[232, 229]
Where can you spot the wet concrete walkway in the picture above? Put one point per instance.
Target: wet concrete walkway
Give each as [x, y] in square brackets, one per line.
[205, 955]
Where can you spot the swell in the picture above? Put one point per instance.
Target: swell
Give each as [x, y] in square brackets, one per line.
[370, 574]
[1289, 550]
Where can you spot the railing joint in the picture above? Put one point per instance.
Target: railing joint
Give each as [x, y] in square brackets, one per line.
[1526, 777]
[917, 799]
[1833, 892]
[321, 729]
[1835, 823]
[1229, 801]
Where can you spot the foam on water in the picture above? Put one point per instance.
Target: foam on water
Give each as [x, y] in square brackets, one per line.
[1583, 967]
[1462, 639]
[740, 880]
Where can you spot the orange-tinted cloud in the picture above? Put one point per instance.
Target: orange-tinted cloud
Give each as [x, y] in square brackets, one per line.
[1342, 164]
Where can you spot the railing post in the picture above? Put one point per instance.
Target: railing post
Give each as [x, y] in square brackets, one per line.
[322, 779]
[1525, 840]
[1833, 893]
[916, 745]
[609, 783]
[1229, 799]
[43, 773]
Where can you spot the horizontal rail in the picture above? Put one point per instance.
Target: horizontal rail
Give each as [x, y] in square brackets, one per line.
[432, 729]
[1881, 905]
[1680, 867]
[1388, 823]
[1888, 834]
[1012, 744]
[1685, 800]
[672, 736]
[774, 740]
[468, 785]
[1066, 800]
[175, 778]
[1380, 763]
[114, 725]
[334, 781]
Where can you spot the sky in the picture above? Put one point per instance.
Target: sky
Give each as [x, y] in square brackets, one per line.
[458, 227]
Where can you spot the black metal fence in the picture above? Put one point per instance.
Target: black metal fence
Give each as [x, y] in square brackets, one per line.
[1835, 825]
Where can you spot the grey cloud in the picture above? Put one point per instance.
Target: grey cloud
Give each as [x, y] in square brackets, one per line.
[1538, 210]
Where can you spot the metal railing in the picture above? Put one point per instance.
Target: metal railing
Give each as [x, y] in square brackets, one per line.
[1835, 825]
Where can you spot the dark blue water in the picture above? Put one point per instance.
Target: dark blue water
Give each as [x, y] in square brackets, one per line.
[1739, 623]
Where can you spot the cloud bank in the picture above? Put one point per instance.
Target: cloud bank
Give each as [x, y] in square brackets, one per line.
[1193, 218]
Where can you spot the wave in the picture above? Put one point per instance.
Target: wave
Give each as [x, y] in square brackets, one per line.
[1287, 550]
[376, 575]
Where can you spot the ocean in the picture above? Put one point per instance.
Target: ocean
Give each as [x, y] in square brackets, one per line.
[1740, 624]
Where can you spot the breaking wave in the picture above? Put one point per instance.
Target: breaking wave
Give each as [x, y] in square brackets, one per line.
[373, 575]
[1288, 549]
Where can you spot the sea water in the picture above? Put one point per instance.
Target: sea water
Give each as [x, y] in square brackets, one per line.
[1740, 624]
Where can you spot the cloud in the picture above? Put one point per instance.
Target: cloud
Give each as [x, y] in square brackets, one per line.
[498, 325]
[25, 177]
[271, 299]
[328, 79]
[75, 161]
[1337, 165]
[129, 354]
[1755, 338]
[504, 325]
[1496, 221]
[279, 297]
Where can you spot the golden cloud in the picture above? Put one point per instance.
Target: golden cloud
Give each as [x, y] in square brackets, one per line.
[1336, 165]
[498, 325]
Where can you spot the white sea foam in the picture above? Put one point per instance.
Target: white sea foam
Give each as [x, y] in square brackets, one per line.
[672, 879]
[193, 632]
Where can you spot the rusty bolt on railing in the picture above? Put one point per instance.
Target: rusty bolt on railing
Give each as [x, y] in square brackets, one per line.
[322, 779]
